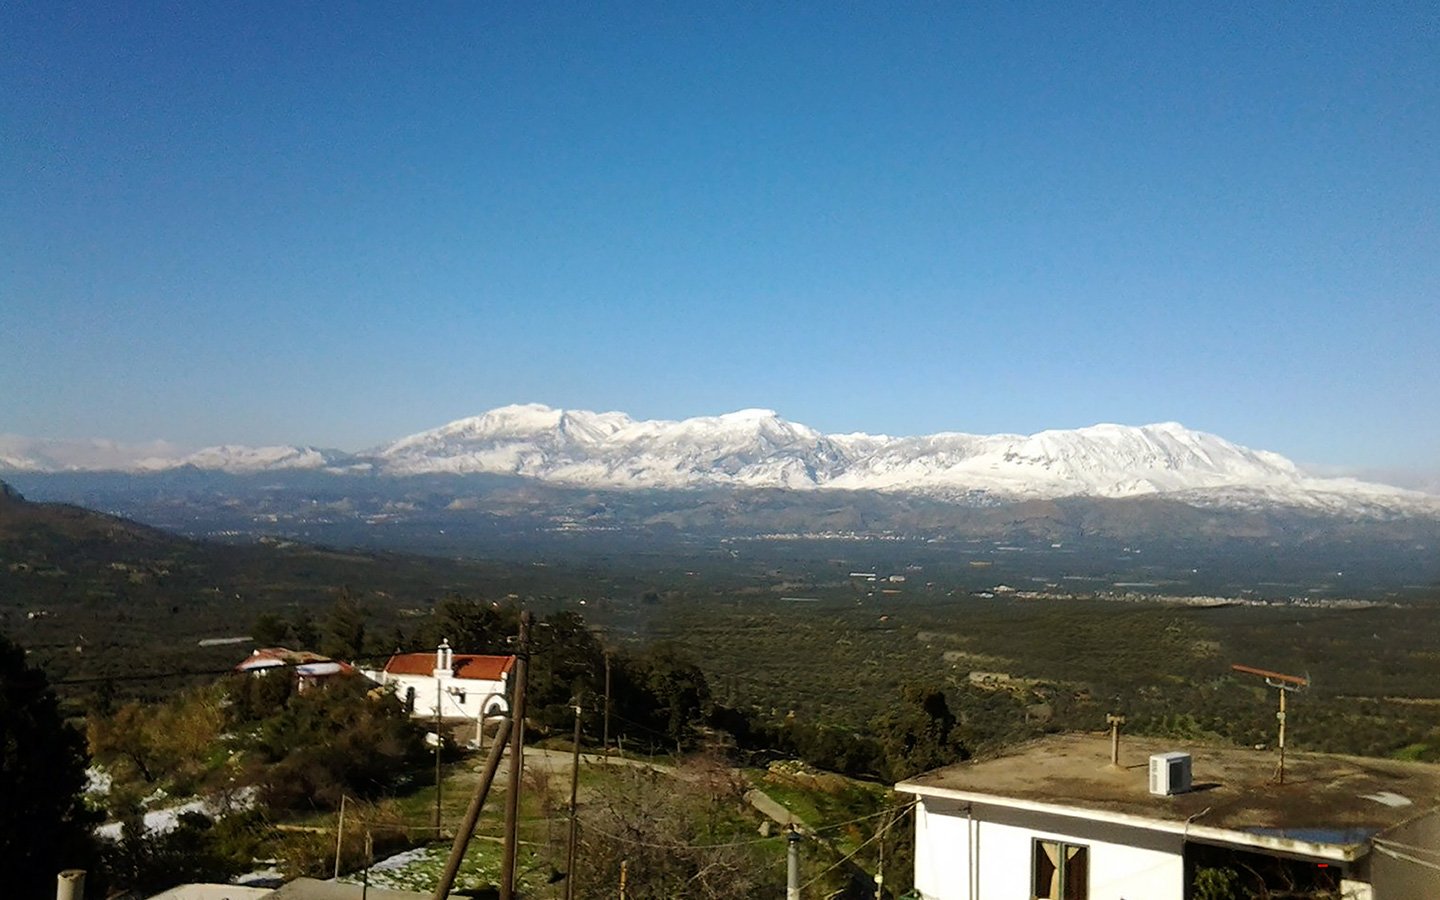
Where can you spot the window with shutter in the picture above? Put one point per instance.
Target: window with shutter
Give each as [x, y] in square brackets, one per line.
[1060, 871]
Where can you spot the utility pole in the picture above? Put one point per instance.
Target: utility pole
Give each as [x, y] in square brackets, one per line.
[792, 865]
[472, 814]
[517, 760]
[438, 742]
[1114, 720]
[605, 740]
[624, 870]
[574, 820]
[369, 859]
[340, 835]
[880, 875]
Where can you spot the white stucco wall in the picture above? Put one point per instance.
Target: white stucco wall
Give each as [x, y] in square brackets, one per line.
[476, 692]
[987, 854]
[1397, 869]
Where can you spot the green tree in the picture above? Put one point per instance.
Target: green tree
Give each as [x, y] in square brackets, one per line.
[255, 697]
[127, 737]
[340, 739]
[172, 742]
[302, 627]
[343, 636]
[197, 849]
[470, 625]
[1217, 884]
[270, 630]
[663, 693]
[44, 825]
[919, 733]
[567, 663]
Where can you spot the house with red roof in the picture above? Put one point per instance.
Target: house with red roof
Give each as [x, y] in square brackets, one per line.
[309, 669]
[462, 685]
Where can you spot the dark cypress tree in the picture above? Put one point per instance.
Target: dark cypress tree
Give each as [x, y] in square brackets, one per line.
[44, 825]
[343, 635]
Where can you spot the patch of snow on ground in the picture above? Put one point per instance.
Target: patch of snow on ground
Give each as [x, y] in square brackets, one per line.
[399, 860]
[97, 782]
[269, 876]
[159, 821]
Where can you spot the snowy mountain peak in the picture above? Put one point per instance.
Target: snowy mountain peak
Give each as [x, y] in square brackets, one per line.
[528, 418]
[757, 448]
[750, 415]
[229, 458]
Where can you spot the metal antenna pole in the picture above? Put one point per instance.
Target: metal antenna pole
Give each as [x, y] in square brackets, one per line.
[1114, 721]
[1281, 716]
[1284, 684]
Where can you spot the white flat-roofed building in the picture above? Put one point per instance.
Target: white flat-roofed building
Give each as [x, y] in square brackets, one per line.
[1053, 819]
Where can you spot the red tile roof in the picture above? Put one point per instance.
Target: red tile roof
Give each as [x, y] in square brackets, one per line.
[272, 657]
[464, 665]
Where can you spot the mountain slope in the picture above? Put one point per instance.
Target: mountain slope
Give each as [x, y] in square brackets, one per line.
[756, 448]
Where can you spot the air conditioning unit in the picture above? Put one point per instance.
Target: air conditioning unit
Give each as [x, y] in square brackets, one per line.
[1169, 773]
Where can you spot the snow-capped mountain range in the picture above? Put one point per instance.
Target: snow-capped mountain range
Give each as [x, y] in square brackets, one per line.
[757, 448]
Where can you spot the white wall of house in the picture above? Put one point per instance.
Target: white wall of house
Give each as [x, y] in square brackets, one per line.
[459, 698]
[1397, 869]
[982, 852]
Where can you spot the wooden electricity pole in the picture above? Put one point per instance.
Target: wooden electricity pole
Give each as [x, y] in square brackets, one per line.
[339, 835]
[369, 861]
[438, 742]
[472, 814]
[880, 875]
[517, 760]
[605, 739]
[574, 820]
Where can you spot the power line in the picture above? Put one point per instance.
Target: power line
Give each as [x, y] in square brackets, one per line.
[1407, 857]
[675, 845]
[146, 676]
[851, 855]
[1413, 849]
[195, 673]
[751, 841]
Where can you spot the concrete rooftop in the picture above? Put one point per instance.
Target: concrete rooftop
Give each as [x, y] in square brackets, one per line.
[1328, 803]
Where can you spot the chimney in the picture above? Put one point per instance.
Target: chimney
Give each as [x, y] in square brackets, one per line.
[444, 657]
[70, 885]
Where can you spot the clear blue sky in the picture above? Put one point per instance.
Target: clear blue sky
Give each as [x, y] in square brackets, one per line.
[340, 223]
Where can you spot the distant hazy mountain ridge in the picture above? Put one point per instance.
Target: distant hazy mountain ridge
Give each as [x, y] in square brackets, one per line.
[758, 449]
